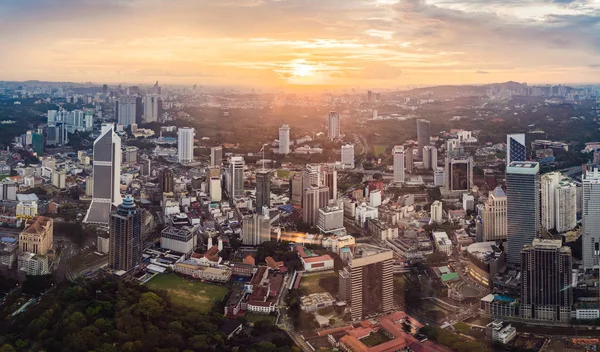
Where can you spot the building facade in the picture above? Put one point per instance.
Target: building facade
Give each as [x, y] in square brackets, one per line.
[263, 190]
[314, 198]
[125, 236]
[591, 219]
[284, 139]
[216, 156]
[423, 135]
[37, 236]
[515, 148]
[398, 156]
[185, 145]
[494, 216]
[334, 131]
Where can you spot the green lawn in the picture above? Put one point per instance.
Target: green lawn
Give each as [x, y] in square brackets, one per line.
[283, 173]
[375, 339]
[190, 293]
[320, 283]
[379, 149]
[253, 318]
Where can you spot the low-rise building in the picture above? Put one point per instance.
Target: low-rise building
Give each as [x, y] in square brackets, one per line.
[330, 219]
[381, 230]
[485, 261]
[320, 263]
[316, 301]
[500, 331]
[179, 240]
[33, 264]
[8, 252]
[442, 242]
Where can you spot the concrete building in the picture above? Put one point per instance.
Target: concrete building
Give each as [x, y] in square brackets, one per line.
[314, 198]
[515, 148]
[125, 236]
[8, 189]
[494, 216]
[486, 259]
[566, 206]
[398, 155]
[256, 228]
[263, 190]
[459, 174]
[296, 189]
[375, 198]
[185, 145]
[216, 156]
[500, 331]
[59, 179]
[331, 219]
[367, 283]
[523, 207]
[9, 248]
[549, 182]
[131, 154]
[442, 242]
[430, 158]
[27, 207]
[236, 177]
[107, 175]
[167, 181]
[284, 139]
[126, 110]
[328, 179]
[348, 156]
[591, 219]
[33, 264]
[364, 213]
[333, 130]
[37, 236]
[437, 213]
[423, 135]
[439, 177]
[409, 162]
[468, 201]
[311, 176]
[152, 107]
[546, 281]
[215, 189]
[179, 240]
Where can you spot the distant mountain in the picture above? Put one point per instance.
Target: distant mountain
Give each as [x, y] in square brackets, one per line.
[463, 90]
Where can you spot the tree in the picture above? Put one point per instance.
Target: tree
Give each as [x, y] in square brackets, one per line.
[150, 305]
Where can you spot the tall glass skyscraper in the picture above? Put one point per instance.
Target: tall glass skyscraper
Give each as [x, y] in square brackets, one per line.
[423, 135]
[591, 219]
[515, 148]
[523, 207]
[125, 236]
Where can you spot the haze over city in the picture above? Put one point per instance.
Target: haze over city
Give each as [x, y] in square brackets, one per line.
[291, 43]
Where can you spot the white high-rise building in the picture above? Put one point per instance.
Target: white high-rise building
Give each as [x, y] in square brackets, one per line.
[591, 219]
[430, 157]
[311, 176]
[566, 206]
[236, 177]
[334, 125]
[348, 155]
[151, 107]
[125, 109]
[52, 116]
[185, 144]
[549, 182]
[215, 189]
[107, 174]
[436, 212]
[398, 153]
[284, 139]
[216, 156]
[515, 148]
[494, 216]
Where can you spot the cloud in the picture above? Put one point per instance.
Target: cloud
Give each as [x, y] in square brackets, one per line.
[479, 72]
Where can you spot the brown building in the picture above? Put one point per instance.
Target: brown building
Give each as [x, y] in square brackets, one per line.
[37, 236]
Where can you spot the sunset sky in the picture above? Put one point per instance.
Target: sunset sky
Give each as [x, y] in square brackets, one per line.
[274, 43]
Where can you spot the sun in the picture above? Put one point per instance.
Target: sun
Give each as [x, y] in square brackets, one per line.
[302, 70]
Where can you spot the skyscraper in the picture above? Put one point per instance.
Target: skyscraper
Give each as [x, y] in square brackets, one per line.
[185, 144]
[284, 139]
[348, 155]
[494, 216]
[398, 154]
[367, 283]
[215, 189]
[546, 281]
[566, 206]
[591, 219]
[459, 173]
[329, 179]
[523, 207]
[423, 135]
[314, 198]
[430, 157]
[236, 177]
[515, 148]
[107, 176]
[125, 242]
[152, 107]
[296, 189]
[311, 175]
[263, 190]
[167, 183]
[409, 160]
[216, 156]
[125, 110]
[334, 131]
[549, 183]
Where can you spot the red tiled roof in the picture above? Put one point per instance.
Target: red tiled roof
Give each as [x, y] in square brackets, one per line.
[317, 259]
[390, 346]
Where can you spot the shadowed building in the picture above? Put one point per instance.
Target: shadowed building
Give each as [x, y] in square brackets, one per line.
[125, 236]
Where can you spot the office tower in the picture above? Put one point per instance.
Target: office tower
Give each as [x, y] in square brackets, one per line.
[591, 219]
[256, 228]
[430, 157]
[52, 116]
[284, 139]
[515, 148]
[367, 283]
[125, 233]
[436, 212]
[546, 281]
[8, 189]
[459, 174]
[409, 163]
[423, 135]
[104, 89]
[296, 189]
[185, 144]
[167, 181]
[334, 131]
[439, 177]
[263, 190]
[126, 110]
[146, 166]
[330, 219]
[37, 141]
[152, 107]
[329, 179]
[566, 206]
[107, 176]
[311, 176]
[57, 134]
[398, 154]
[37, 236]
[216, 156]
[494, 216]
[156, 89]
[215, 189]
[131, 154]
[88, 121]
[523, 207]
[314, 198]
[549, 182]
[348, 155]
[236, 177]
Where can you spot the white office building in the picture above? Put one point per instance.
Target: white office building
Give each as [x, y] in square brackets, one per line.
[152, 104]
[215, 189]
[375, 198]
[236, 177]
[430, 159]
[330, 219]
[216, 156]
[179, 240]
[348, 155]
[284, 139]
[185, 144]
[591, 219]
[126, 110]
[566, 206]
[333, 131]
[549, 182]
[398, 153]
[442, 242]
[437, 213]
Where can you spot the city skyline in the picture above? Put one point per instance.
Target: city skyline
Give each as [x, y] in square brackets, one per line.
[288, 44]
